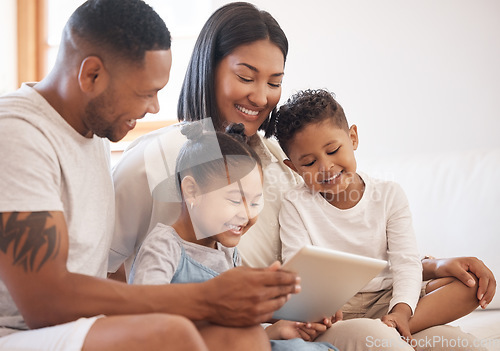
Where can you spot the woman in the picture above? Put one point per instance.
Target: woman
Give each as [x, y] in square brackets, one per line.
[235, 76]
[236, 71]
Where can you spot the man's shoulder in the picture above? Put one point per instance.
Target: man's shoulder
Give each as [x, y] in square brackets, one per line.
[26, 110]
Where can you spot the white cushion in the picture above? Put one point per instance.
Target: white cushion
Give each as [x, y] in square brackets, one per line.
[454, 199]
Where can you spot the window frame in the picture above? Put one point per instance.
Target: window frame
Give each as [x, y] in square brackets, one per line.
[33, 46]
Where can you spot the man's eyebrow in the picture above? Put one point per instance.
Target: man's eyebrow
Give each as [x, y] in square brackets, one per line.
[256, 70]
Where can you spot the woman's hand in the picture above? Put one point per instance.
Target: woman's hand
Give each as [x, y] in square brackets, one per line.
[461, 268]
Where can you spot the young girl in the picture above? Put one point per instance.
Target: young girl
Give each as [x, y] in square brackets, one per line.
[219, 178]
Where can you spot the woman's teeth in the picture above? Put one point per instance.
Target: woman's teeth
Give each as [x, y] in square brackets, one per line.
[247, 111]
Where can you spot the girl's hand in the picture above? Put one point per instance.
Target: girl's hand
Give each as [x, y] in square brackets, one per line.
[313, 330]
[284, 330]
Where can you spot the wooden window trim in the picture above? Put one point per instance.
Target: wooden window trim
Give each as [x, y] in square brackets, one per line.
[31, 40]
[144, 127]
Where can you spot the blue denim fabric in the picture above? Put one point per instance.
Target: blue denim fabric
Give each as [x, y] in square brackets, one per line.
[300, 345]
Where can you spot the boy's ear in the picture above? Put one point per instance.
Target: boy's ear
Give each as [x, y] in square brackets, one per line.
[93, 78]
[353, 135]
[190, 189]
[290, 165]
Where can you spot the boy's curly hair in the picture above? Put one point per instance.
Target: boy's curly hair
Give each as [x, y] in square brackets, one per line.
[303, 108]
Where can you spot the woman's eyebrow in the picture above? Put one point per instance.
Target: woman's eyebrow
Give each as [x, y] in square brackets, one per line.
[256, 70]
[249, 66]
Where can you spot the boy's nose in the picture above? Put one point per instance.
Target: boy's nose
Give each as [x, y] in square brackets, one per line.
[325, 165]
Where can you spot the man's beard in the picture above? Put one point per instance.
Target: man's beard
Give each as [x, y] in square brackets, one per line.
[94, 118]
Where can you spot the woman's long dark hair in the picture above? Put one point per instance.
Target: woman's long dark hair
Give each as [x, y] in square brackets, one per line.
[230, 26]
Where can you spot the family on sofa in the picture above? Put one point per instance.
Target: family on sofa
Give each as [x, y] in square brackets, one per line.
[65, 221]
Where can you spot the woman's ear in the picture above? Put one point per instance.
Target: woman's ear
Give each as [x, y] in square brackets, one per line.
[353, 135]
[93, 78]
[190, 190]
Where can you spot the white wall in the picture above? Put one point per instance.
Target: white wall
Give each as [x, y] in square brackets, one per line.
[415, 76]
[8, 46]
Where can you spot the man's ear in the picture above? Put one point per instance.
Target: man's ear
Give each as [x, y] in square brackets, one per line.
[190, 190]
[353, 135]
[290, 165]
[93, 78]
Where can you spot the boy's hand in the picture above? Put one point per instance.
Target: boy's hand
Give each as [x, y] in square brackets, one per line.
[338, 316]
[399, 318]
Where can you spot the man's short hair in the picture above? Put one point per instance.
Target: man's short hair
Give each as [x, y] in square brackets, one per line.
[125, 29]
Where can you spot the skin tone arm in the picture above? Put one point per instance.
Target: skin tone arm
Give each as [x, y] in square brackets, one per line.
[33, 256]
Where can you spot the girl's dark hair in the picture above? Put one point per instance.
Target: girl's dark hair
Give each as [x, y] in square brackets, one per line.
[121, 28]
[304, 108]
[217, 159]
[230, 26]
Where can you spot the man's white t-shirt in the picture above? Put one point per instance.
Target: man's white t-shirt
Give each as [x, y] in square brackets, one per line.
[46, 165]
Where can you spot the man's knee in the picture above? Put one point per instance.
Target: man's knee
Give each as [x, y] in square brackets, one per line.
[167, 328]
[141, 332]
[242, 339]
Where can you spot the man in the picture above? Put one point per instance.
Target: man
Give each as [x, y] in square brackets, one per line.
[57, 206]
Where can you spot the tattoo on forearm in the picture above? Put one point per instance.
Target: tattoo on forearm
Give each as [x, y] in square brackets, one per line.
[32, 243]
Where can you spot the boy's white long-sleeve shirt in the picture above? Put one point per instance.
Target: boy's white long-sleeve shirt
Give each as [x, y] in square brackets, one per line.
[378, 226]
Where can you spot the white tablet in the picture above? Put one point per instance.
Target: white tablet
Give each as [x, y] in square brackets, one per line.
[329, 279]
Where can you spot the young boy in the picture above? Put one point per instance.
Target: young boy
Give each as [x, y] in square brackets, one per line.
[341, 209]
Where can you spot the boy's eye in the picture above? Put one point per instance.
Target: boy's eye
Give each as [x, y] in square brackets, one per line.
[234, 202]
[275, 85]
[334, 151]
[309, 164]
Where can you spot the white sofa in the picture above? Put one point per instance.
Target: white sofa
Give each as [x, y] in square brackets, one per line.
[455, 202]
